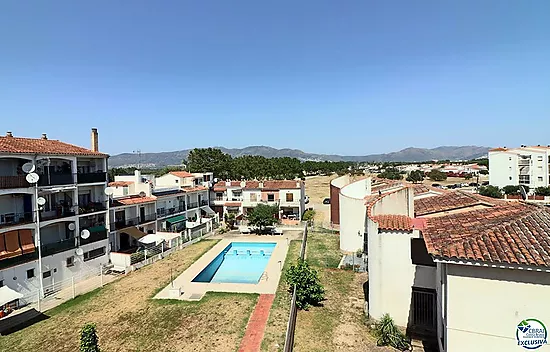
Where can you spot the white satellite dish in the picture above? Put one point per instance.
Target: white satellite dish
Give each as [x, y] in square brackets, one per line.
[41, 201]
[79, 252]
[32, 177]
[142, 194]
[109, 191]
[71, 227]
[84, 234]
[28, 168]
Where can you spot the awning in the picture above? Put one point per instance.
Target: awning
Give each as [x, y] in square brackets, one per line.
[151, 238]
[8, 295]
[168, 236]
[99, 228]
[174, 220]
[134, 232]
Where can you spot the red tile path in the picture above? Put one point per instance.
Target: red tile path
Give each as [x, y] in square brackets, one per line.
[254, 334]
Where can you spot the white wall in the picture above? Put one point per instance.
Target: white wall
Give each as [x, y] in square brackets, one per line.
[353, 214]
[485, 306]
[504, 170]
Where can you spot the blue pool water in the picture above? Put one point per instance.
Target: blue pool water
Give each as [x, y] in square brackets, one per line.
[239, 262]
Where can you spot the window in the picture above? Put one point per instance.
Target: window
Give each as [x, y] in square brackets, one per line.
[540, 178]
[70, 262]
[539, 158]
[289, 197]
[419, 253]
[30, 273]
[125, 190]
[46, 274]
[219, 196]
[270, 197]
[95, 253]
[253, 197]
[524, 179]
[423, 309]
[510, 178]
[84, 199]
[510, 158]
[1, 283]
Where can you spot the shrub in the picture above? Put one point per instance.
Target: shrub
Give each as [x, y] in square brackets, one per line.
[89, 341]
[391, 174]
[436, 175]
[415, 176]
[510, 189]
[490, 191]
[542, 191]
[309, 290]
[388, 334]
[308, 216]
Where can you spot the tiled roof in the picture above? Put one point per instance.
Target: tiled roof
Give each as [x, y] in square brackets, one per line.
[233, 204]
[380, 184]
[18, 145]
[252, 184]
[133, 200]
[194, 189]
[282, 184]
[170, 194]
[181, 174]
[393, 222]
[498, 149]
[512, 233]
[449, 201]
[222, 186]
[120, 183]
[420, 188]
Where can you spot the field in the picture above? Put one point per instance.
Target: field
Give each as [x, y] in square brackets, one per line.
[129, 320]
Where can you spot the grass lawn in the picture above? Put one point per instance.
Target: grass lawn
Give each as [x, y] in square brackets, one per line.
[339, 325]
[129, 320]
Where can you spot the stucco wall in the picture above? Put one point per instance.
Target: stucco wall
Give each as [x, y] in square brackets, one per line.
[352, 215]
[335, 186]
[485, 306]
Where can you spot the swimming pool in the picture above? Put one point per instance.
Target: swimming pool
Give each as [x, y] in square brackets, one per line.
[239, 262]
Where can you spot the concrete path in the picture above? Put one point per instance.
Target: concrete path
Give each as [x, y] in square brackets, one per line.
[254, 334]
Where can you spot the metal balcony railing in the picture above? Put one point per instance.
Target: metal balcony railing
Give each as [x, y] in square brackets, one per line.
[95, 236]
[91, 207]
[58, 213]
[123, 223]
[20, 259]
[15, 219]
[56, 179]
[204, 202]
[58, 247]
[192, 205]
[13, 182]
[91, 177]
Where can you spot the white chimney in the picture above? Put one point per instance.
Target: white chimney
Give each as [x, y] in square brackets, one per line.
[44, 136]
[227, 183]
[243, 184]
[137, 175]
[9, 134]
[95, 141]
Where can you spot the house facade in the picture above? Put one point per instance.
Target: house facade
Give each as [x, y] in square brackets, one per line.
[528, 166]
[72, 180]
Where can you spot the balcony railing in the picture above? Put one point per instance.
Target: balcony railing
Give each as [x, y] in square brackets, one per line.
[91, 177]
[20, 259]
[95, 236]
[192, 205]
[204, 202]
[123, 223]
[13, 182]
[15, 219]
[91, 208]
[56, 179]
[58, 213]
[58, 247]
[147, 218]
[171, 211]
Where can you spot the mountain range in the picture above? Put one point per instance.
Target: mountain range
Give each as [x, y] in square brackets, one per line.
[162, 159]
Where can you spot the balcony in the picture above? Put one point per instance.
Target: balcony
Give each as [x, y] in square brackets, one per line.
[58, 247]
[91, 177]
[193, 205]
[123, 223]
[20, 259]
[97, 233]
[7, 182]
[11, 219]
[147, 218]
[170, 211]
[58, 212]
[91, 207]
[204, 202]
[56, 179]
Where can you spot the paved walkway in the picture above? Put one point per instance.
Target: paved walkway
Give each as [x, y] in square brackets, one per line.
[254, 334]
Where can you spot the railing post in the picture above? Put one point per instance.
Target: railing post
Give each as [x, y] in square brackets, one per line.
[101, 274]
[72, 284]
[38, 302]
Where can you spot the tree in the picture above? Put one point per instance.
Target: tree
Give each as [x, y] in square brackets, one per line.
[484, 172]
[490, 191]
[210, 160]
[309, 290]
[510, 189]
[230, 220]
[261, 216]
[437, 175]
[415, 176]
[468, 176]
[542, 191]
[391, 173]
[308, 216]
[89, 341]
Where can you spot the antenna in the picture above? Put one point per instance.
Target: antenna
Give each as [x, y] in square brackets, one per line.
[138, 152]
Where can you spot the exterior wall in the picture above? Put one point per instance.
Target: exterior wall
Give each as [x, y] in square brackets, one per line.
[485, 306]
[504, 169]
[335, 186]
[169, 180]
[392, 273]
[353, 212]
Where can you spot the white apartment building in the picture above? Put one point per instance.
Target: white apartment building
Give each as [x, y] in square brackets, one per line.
[239, 197]
[72, 180]
[527, 166]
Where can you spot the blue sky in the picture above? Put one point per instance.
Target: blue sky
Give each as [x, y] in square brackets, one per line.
[342, 77]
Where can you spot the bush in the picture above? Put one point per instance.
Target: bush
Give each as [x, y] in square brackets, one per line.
[510, 189]
[308, 216]
[436, 175]
[309, 290]
[388, 334]
[89, 341]
[415, 176]
[542, 191]
[391, 174]
[490, 191]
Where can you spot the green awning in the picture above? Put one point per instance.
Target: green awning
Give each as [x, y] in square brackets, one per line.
[174, 220]
[99, 228]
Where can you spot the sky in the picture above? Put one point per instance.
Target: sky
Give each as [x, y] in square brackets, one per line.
[336, 77]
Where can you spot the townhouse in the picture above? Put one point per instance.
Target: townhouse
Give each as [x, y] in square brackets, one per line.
[71, 180]
[239, 197]
[459, 271]
[528, 166]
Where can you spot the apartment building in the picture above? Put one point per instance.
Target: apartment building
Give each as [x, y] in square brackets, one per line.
[239, 197]
[72, 180]
[528, 166]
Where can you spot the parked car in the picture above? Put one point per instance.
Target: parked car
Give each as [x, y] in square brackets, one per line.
[326, 201]
[473, 184]
[436, 185]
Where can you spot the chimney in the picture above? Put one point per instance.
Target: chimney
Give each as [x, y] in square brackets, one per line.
[95, 141]
[137, 175]
[9, 134]
[44, 136]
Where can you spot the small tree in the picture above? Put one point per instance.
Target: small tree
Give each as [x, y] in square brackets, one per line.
[542, 191]
[415, 176]
[437, 175]
[230, 220]
[262, 216]
[388, 334]
[89, 341]
[468, 176]
[490, 191]
[510, 189]
[309, 290]
[391, 173]
[308, 216]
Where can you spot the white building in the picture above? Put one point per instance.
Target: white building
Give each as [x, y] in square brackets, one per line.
[72, 180]
[527, 166]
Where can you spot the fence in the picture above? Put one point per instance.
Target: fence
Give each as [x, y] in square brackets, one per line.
[291, 327]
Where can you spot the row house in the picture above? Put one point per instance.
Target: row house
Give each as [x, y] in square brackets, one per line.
[72, 180]
[239, 197]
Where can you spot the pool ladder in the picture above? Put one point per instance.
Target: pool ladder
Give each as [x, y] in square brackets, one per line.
[264, 276]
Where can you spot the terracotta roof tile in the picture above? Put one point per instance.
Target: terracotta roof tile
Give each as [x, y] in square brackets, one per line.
[120, 183]
[420, 188]
[194, 189]
[282, 184]
[233, 204]
[393, 222]
[18, 145]
[252, 184]
[133, 200]
[450, 201]
[181, 174]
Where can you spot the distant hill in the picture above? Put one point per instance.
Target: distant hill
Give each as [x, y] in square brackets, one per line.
[162, 159]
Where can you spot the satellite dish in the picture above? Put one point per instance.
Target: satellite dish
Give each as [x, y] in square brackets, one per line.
[40, 200]
[71, 227]
[32, 177]
[28, 167]
[109, 191]
[79, 252]
[142, 194]
[84, 234]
